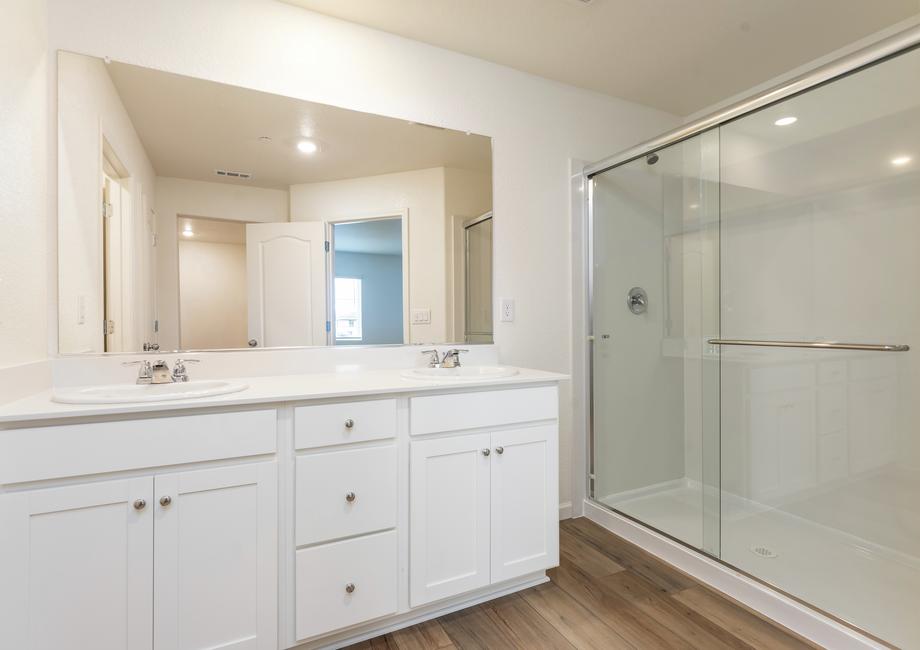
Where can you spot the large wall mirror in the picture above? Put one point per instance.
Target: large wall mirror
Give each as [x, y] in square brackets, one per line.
[195, 215]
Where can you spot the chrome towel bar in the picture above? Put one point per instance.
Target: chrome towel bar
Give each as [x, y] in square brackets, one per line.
[819, 345]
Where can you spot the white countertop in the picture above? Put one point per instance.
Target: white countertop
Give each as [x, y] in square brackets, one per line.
[267, 390]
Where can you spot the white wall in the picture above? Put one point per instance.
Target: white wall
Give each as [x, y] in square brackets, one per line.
[421, 192]
[23, 183]
[212, 295]
[90, 110]
[536, 125]
[178, 196]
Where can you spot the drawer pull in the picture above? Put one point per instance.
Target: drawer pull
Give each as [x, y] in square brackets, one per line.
[165, 501]
[350, 497]
[140, 504]
[499, 450]
[349, 423]
[350, 588]
[486, 451]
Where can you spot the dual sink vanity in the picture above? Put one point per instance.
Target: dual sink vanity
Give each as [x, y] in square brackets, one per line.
[279, 510]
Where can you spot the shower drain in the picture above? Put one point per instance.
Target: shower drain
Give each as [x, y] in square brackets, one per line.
[763, 551]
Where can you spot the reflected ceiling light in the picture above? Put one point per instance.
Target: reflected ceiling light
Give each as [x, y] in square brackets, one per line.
[693, 206]
[187, 231]
[786, 121]
[307, 146]
[900, 161]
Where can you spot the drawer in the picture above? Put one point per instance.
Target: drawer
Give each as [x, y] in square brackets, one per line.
[323, 574]
[39, 453]
[325, 480]
[436, 413]
[336, 424]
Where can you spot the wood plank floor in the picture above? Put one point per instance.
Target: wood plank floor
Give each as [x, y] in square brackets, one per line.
[606, 593]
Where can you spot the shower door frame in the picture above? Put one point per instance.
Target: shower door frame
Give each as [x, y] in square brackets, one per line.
[886, 48]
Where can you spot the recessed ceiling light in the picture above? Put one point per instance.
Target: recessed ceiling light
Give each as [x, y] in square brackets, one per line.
[307, 146]
[187, 231]
[786, 121]
[900, 161]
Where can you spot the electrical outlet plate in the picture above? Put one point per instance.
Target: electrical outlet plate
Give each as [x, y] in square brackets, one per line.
[507, 310]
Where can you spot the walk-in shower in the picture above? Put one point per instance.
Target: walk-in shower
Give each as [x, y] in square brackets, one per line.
[755, 295]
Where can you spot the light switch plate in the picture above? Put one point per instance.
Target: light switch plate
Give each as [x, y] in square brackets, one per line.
[507, 310]
[421, 316]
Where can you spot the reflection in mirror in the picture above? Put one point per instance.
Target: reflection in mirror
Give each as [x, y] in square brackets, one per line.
[195, 215]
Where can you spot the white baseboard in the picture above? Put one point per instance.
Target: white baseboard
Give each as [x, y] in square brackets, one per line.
[787, 612]
[565, 510]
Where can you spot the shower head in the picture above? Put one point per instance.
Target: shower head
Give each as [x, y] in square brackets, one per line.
[651, 159]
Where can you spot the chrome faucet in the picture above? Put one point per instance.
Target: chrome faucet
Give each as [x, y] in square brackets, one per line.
[179, 373]
[452, 358]
[160, 372]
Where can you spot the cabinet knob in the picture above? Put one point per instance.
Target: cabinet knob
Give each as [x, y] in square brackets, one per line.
[165, 501]
[349, 423]
[350, 588]
[499, 450]
[486, 451]
[350, 497]
[140, 504]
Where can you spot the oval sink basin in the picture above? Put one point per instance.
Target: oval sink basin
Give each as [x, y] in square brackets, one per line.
[127, 393]
[463, 373]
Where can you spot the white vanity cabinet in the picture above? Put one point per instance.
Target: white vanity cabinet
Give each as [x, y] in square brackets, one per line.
[160, 560]
[215, 558]
[483, 504]
[308, 524]
[76, 566]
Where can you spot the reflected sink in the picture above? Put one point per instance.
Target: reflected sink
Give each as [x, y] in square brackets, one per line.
[127, 393]
[463, 373]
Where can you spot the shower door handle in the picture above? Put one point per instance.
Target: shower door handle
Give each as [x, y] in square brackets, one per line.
[816, 345]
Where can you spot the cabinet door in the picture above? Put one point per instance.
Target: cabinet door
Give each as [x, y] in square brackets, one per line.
[76, 567]
[525, 501]
[449, 516]
[215, 547]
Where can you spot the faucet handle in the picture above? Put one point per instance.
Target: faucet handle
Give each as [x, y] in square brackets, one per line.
[144, 373]
[435, 360]
[452, 358]
[179, 373]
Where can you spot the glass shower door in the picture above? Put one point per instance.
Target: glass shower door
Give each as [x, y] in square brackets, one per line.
[821, 446]
[655, 291]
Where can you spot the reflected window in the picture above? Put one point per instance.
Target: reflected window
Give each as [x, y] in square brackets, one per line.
[348, 309]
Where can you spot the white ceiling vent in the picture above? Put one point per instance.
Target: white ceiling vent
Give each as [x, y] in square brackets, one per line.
[226, 173]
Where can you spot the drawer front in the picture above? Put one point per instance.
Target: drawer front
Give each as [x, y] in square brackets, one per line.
[437, 413]
[324, 572]
[328, 424]
[39, 453]
[344, 493]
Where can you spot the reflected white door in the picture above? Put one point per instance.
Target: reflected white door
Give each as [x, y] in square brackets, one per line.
[285, 268]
